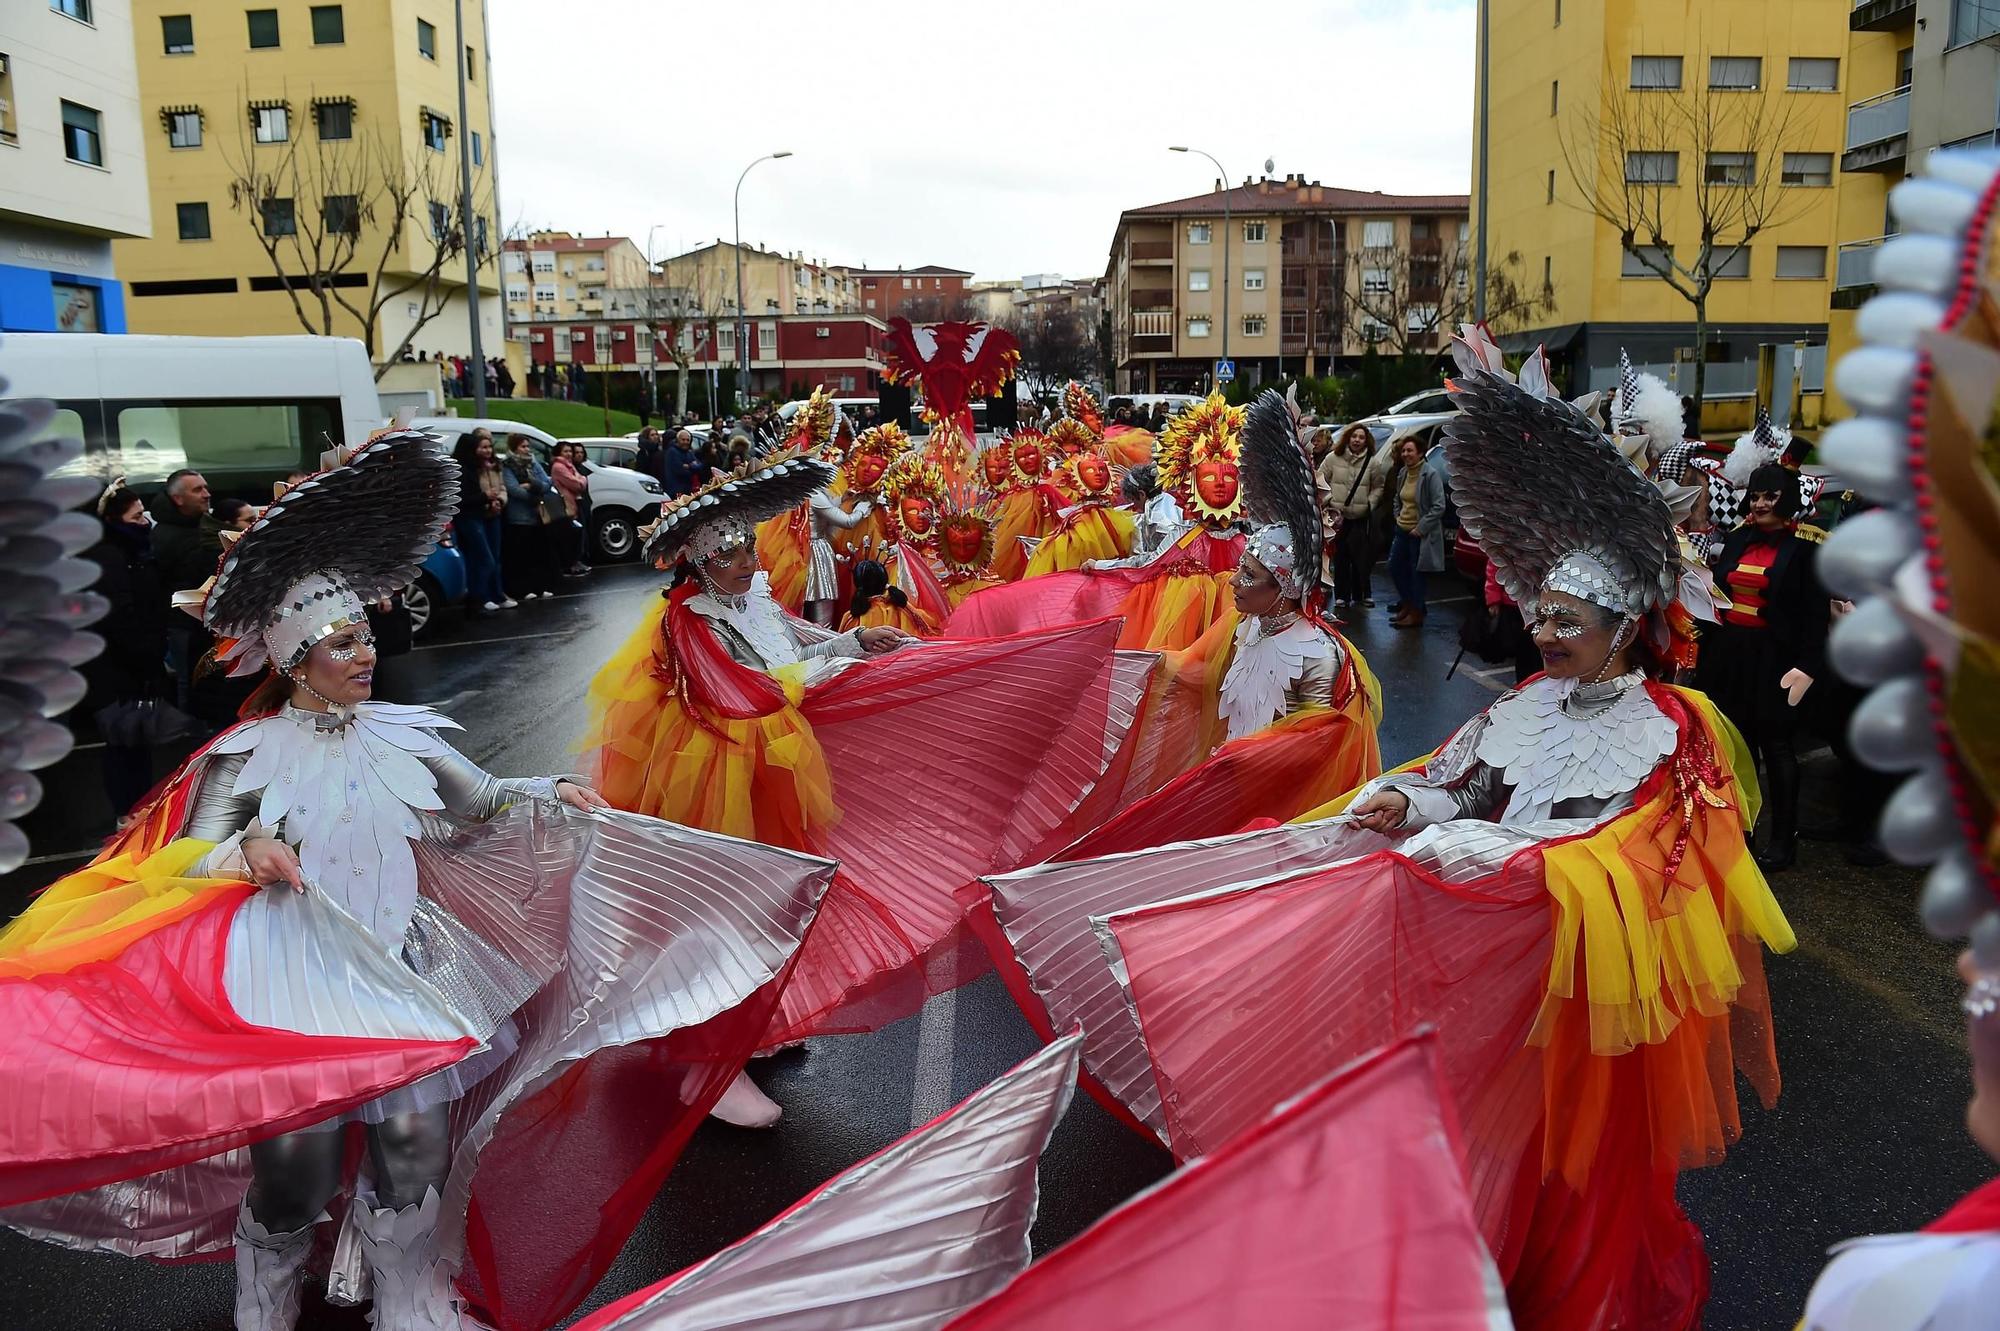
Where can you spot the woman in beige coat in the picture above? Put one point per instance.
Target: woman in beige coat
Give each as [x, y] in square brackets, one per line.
[1352, 480]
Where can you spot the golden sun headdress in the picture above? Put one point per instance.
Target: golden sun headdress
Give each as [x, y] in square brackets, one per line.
[913, 478]
[1202, 450]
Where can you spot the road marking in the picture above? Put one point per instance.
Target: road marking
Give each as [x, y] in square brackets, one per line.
[930, 1085]
[1430, 601]
[484, 642]
[59, 857]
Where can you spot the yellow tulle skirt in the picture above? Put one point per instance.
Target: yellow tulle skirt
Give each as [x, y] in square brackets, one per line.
[1095, 533]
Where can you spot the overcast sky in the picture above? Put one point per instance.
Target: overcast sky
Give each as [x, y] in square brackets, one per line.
[1004, 138]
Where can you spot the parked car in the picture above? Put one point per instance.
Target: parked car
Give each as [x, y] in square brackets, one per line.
[621, 500]
[440, 583]
[609, 451]
[851, 405]
[1432, 407]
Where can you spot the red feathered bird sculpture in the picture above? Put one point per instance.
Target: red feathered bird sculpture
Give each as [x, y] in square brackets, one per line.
[953, 363]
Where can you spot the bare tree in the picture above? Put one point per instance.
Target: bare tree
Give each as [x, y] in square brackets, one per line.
[684, 309]
[333, 217]
[1669, 163]
[1057, 345]
[938, 309]
[1407, 298]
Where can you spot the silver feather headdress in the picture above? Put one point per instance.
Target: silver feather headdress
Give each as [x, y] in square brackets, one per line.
[1279, 496]
[326, 547]
[1553, 503]
[723, 515]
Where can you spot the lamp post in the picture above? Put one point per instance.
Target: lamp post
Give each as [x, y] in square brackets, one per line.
[742, 315]
[478, 370]
[1226, 177]
[652, 331]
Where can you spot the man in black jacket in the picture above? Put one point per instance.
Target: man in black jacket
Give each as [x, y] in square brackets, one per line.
[186, 541]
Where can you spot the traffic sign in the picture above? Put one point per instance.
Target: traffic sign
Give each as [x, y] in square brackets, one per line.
[1225, 370]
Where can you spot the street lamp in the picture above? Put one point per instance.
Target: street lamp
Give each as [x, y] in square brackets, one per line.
[742, 315]
[1226, 178]
[652, 331]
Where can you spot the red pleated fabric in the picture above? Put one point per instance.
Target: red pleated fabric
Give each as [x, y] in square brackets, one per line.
[1344, 1209]
[949, 762]
[74, 1043]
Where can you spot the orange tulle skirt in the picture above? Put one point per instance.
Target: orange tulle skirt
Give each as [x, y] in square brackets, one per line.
[1022, 513]
[1093, 533]
[909, 617]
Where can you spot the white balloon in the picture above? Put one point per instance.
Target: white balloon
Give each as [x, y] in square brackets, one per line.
[1871, 643]
[1891, 730]
[1917, 823]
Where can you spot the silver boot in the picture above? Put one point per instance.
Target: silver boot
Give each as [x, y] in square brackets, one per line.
[413, 1290]
[270, 1270]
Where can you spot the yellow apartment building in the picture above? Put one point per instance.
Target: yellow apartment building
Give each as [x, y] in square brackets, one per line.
[553, 275]
[327, 111]
[1780, 71]
[703, 281]
[1314, 275]
[1925, 75]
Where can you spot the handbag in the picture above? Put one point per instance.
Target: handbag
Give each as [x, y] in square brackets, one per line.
[139, 723]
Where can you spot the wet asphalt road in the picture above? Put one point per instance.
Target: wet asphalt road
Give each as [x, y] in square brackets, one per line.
[1867, 1136]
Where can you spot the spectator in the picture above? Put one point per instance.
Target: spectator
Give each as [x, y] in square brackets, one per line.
[527, 558]
[652, 459]
[234, 514]
[1353, 479]
[567, 474]
[679, 465]
[1159, 421]
[185, 542]
[127, 681]
[1690, 418]
[712, 460]
[1417, 547]
[482, 498]
[491, 371]
[739, 455]
[504, 376]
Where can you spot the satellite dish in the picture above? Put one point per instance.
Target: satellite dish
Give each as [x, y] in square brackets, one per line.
[1269, 166]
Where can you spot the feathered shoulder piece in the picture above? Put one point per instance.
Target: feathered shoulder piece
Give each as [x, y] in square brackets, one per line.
[1080, 406]
[1542, 489]
[1206, 437]
[812, 425]
[733, 503]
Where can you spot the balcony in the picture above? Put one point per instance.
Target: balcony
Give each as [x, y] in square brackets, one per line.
[1878, 133]
[1152, 346]
[1881, 15]
[1854, 264]
[1159, 298]
[1152, 251]
[1158, 323]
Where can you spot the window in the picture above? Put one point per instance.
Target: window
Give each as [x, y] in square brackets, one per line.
[767, 341]
[427, 40]
[1813, 74]
[642, 342]
[1548, 271]
[1656, 72]
[1197, 279]
[479, 235]
[1198, 233]
[906, 284]
[1253, 325]
[341, 213]
[76, 9]
[329, 25]
[1635, 260]
[271, 124]
[725, 338]
[1653, 168]
[545, 263]
[281, 217]
[471, 65]
[1808, 169]
[83, 135]
[177, 33]
[1253, 279]
[1374, 281]
[193, 219]
[183, 128]
[263, 28]
[1197, 327]
[1736, 73]
[1970, 20]
[1804, 262]
[1731, 169]
[436, 130]
[7, 131]
[1253, 233]
[1373, 329]
[517, 294]
[478, 149]
[334, 119]
[1552, 185]
[440, 222]
[1378, 235]
[545, 294]
[1735, 264]
[600, 342]
[1904, 60]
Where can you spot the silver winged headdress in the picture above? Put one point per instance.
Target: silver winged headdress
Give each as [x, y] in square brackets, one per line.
[1553, 503]
[309, 566]
[723, 515]
[1279, 496]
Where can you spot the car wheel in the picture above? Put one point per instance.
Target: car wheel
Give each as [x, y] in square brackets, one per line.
[422, 599]
[617, 536]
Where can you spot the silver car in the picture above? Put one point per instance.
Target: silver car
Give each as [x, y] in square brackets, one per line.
[1418, 413]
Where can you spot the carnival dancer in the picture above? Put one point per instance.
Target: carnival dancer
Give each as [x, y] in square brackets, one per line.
[1090, 527]
[351, 935]
[1026, 505]
[797, 545]
[723, 712]
[1126, 445]
[1767, 445]
[913, 498]
[1564, 890]
[879, 602]
[965, 554]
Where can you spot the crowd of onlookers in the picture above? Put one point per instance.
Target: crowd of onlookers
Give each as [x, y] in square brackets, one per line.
[520, 526]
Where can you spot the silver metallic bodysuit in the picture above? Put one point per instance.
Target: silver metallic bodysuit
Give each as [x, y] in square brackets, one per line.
[756, 632]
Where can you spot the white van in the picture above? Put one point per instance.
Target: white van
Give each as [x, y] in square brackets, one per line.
[243, 411]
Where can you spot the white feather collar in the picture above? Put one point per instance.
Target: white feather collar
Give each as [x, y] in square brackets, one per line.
[1560, 739]
[1263, 668]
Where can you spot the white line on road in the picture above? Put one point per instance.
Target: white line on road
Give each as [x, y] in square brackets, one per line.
[930, 1085]
[60, 857]
[484, 642]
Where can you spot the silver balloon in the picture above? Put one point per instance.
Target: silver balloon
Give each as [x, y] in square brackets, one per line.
[19, 794]
[1955, 895]
[76, 532]
[13, 848]
[41, 744]
[1868, 453]
[1986, 941]
[1898, 319]
[1876, 378]
[1891, 730]
[73, 649]
[1872, 643]
[1917, 823]
[1864, 552]
[73, 575]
